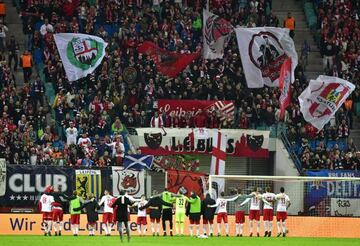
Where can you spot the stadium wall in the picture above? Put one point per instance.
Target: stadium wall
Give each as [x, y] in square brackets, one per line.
[31, 224]
[284, 166]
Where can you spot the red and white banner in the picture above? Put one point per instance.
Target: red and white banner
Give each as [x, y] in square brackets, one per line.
[322, 98]
[187, 181]
[285, 87]
[263, 50]
[218, 161]
[182, 107]
[167, 63]
[168, 141]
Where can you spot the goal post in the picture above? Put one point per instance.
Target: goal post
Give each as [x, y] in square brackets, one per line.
[320, 206]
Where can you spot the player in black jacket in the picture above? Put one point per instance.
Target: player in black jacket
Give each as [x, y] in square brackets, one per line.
[122, 203]
[60, 200]
[91, 207]
[208, 214]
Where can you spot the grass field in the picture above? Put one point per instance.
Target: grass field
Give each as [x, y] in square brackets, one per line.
[168, 241]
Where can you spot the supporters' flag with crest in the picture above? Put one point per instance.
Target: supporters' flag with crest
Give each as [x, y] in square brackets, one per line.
[216, 35]
[80, 54]
[218, 160]
[263, 50]
[138, 162]
[285, 87]
[88, 182]
[167, 63]
[322, 98]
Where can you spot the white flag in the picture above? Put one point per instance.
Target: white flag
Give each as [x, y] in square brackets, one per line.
[81, 54]
[218, 161]
[216, 35]
[263, 50]
[322, 98]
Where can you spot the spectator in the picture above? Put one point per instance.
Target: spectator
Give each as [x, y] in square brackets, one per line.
[289, 23]
[26, 63]
[156, 121]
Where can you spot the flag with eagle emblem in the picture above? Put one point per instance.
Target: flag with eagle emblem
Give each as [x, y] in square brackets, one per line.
[80, 54]
[216, 35]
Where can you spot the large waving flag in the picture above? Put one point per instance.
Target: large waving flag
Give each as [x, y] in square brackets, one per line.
[322, 98]
[263, 50]
[216, 35]
[285, 87]
[167, 63]
[81, 54]
[138, 162]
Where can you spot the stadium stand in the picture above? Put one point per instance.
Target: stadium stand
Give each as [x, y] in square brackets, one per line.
[35, 118]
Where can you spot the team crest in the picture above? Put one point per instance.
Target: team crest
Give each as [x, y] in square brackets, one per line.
[129, 181]
[267, 54]
[84, 52]
[254, 142]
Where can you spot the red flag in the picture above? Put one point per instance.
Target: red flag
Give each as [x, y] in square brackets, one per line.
[188, 181]
[285, 87]
[167, 63]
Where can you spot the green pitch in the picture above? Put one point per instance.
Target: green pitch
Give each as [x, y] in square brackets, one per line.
[149, 240]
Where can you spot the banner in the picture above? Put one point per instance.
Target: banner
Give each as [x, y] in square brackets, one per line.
[131, 181]
[167, 63]
[345, 207]
[138, 162]
[319, 195]
[299, 226]
[322, 98]
[25, 184]
[187, 181]
[182, 107]
[80, 54]
[168, 141]
[285, 87]
[176, 162]
[88, 182]
[2, 177]
[218, 161]
[263, 50]
[216, 35]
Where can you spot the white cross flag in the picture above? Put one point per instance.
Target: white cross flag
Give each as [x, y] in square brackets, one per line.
[81, 54]
[263, 50]
[322, 98]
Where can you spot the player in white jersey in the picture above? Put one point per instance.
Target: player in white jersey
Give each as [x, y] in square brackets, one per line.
[268, 211]
[221, 204]
[107, 201]
[141, 216]
[254, 213]
[283, 204]
[45, 205]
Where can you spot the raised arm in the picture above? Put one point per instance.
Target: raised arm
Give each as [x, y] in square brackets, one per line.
[246, 201]
[215, 205]
[232, 199]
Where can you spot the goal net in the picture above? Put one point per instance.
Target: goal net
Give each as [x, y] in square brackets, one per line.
[320, 206]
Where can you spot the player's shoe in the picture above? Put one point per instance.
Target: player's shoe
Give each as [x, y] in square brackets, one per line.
[153, 234]
[266, 233]
[164, 233]
[157, 234]
[59, 233]
[56, 234]
[75, 235]
[227, 235]
[219, 235]
[258, 234]
[269, 234]
[240, 235]
[211, 235]
[250, 235]
[49, 233]
[284, 234]
[45, 234]
[279, 234]
[237, 235]
[171, 234]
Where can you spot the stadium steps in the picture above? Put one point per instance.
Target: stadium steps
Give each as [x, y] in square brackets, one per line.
[302, 32]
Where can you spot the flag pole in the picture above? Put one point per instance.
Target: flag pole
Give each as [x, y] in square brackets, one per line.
[207, 5]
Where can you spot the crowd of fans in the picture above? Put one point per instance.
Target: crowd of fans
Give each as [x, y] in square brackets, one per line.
[90, 115]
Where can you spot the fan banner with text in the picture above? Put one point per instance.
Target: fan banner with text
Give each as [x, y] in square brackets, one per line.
[335, 198]
[23, 185]
[169, 141]
[182, 107]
